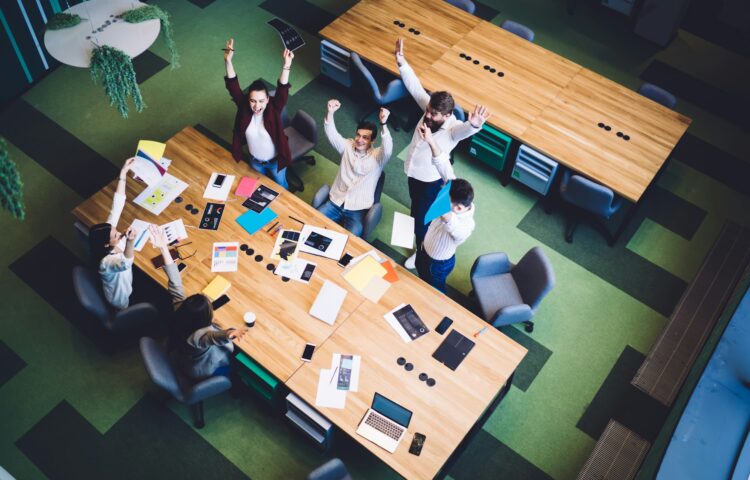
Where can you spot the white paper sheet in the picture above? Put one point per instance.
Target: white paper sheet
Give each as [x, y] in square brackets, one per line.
[142, 236]
[225, 256]
[356, 363]
[391, 319]
[157, 197]
[218, 193]
[328, 395]
[403, 230]
[334, 250]
[175, 230]
[293, 269]
[328, 302]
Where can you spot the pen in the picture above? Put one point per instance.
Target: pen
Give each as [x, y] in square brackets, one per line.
[227, 49]
[334, 374]
[296, 220]
[140, 237]
[480, 332]
[271, 227]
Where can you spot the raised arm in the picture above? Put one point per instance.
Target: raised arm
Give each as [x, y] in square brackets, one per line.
[286, 67]
[230, 80]
[174, 285]
[334, 137]
[386, 147]
[228, 54]
[118, 200]
[281, 97]
[411, 82]
[472, 125]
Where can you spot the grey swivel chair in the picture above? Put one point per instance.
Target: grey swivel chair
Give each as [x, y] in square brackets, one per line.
[373, 215]
[302, 132]
[658, 94]
[587, 196]
[465, 5]
[88, 289]
[393, 92]
[333, 469]
[508, 293]
[185, 390]
[517, 29]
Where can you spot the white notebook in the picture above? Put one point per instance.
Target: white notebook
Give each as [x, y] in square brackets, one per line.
[328, 302]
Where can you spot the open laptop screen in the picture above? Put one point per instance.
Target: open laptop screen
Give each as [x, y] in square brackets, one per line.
[392, 410]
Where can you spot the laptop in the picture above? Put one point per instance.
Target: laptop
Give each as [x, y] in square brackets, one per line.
[385, 423]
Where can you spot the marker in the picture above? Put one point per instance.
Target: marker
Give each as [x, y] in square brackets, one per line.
[227, 49]
[296, 220]
[480, 332]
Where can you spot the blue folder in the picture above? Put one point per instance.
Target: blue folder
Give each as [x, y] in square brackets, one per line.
[252, 221]
[441, 205]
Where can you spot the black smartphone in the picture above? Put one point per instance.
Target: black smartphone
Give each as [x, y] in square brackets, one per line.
[219, 181]
[308, 353]
[416, 444]
[345, 260]
[443, 325]
[181, 266]
[220, 302]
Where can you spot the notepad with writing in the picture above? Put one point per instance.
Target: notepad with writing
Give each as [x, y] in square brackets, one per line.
[218, 287]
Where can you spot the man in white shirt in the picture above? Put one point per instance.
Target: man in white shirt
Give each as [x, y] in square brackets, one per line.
[437, 257]
[427, 165]
[115, 264]
[353, 191]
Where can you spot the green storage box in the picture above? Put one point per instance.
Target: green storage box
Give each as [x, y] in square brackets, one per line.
[257, 377]
[491, 146]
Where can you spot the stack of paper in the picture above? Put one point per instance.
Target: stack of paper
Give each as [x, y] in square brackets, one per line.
[157, 197]
[328, 302]
[141, 235]
[330, 394]
[330, 244]
[218, 287]
[149, 165]
[225, 256]
[370, 275]
[216, 191]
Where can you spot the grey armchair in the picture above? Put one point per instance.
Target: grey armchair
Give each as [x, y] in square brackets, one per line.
[185, 390]
[465, 5]
[586, 196]
[333, 469]
[88, 289]
[374, 214]
[302, 132]
[518, 29]
[508, 293]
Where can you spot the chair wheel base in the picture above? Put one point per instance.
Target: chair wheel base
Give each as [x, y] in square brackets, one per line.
[529, 327]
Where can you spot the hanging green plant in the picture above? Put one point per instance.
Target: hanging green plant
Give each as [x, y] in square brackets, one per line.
[63, 20]
[152, 12]
[114, 68]
[11, 186]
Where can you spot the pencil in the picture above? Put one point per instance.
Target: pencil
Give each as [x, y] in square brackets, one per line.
[296, 220]
[334, 374]
[271, 227]
[480, 332]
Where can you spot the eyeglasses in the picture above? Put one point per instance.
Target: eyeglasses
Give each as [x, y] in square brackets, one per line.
[179, 252]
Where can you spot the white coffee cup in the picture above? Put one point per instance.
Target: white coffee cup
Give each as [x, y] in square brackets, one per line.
[249, 319]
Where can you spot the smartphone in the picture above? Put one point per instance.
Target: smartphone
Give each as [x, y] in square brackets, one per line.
[345, 260]
[416, 444]
[220, 302]
[443, 325]
[181, 266]
[308, 353]
[345, 372]
[219, 181]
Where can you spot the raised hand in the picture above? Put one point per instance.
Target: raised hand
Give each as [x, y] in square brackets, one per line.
[130, 234]
[399, 51]
[158, 237]
[333, 105]
[424, 132]
[478, 116]
[127, 166]
[288, 57]
[383, 115]
[229, 50]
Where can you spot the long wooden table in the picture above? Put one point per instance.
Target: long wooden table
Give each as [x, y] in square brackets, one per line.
[541, 99]
[445, 413]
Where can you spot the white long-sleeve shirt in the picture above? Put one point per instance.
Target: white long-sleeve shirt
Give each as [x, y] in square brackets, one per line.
[115, 270]
[443, 237]
[358, 174]
[420, 164]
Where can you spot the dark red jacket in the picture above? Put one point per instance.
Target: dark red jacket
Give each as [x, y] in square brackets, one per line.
[271, 120]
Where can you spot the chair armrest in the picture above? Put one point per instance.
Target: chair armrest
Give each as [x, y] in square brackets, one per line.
[394, 91]
[321, 196]
[133, 317]
[207, 388]
[491, 264]
[512, 314]
[372, 219]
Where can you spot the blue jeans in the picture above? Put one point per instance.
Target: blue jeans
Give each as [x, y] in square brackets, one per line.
[422, 194]
[269, 169]
[352, 220]
[434, 272]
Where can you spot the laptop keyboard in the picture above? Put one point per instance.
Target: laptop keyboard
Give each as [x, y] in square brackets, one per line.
[385, 426]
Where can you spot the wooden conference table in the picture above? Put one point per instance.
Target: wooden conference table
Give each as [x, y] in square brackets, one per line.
[445, 413]
[534, 95]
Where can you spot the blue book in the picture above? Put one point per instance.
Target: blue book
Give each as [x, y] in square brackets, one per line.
[254, 221]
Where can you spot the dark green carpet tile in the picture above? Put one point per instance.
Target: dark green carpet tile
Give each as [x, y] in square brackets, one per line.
[299, 13]
[642, 414]
[702, 19]
[733, 107]
[213, 137]
[532, 363]
[648, 283]
[201, 3]
[10, 363]
[149, 442]
[61, 153]
[714, 162]
[672, 212]
[313, 99]
[486, 457]
[484, 11]
[146, 65]
[611, 396]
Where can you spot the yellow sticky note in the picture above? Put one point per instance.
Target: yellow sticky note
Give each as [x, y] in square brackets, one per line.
[155, 150]
[359, 276]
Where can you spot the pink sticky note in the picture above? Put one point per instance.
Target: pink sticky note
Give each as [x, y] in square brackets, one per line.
[246, 187]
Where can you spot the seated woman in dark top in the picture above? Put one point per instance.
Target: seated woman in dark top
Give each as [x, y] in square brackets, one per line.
[199, 347]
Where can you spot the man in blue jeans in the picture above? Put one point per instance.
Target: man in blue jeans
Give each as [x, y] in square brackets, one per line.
[437, 257]
[353, 190]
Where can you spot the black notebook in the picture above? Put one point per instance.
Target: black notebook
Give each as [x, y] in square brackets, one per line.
[453, 350]
[260, 199]
[292, 40]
